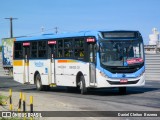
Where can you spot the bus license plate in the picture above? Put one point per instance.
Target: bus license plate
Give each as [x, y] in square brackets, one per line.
[123, 80]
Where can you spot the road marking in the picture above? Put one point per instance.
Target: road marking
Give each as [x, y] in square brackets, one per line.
[93, 118]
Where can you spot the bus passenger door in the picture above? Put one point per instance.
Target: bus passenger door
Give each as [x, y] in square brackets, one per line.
[52, 61]
[26, 62]
[92, 64]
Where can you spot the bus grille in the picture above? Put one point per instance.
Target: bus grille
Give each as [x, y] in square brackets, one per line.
[118, 82]
[123, 70]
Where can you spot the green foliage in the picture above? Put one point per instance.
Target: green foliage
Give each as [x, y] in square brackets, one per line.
[0, 48]
[2, 99]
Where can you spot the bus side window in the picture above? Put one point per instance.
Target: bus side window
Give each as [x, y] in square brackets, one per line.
[82, 53]
[60, 48]
[18, 54]
[60, 53]
[42, 49]
[34, 50]
[68, 49]
[79, 48]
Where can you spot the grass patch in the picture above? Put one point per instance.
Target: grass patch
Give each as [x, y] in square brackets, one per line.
[2, 99]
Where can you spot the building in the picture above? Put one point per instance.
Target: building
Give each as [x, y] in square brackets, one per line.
[154, 43]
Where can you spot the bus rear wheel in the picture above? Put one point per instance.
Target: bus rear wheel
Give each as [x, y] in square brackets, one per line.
[39, 85]
[82, 85]
[122, 90]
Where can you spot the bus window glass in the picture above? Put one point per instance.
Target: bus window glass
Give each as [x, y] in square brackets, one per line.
[79, 43]
[68, 49]
[18, 51]
[42, 49]
[79, 48]
[121, 53]
[60, 49]
[60, 53]
[60, 43]
[79, 52]
[34, 50]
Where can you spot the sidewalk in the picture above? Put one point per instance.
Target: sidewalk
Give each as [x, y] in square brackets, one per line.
[39, 102]
[49, 103]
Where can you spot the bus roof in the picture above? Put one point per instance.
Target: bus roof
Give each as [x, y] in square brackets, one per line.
[67, 35]
[62, 35]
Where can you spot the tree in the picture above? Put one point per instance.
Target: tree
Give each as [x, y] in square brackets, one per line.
[0, 48]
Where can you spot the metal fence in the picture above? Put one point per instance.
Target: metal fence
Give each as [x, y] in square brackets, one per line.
[152, 66]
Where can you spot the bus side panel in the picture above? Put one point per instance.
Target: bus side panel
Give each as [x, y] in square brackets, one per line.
[85, 70]
[18, 70]
[45, 72]
[40, 66]
[67, 70]
[31, 71]
[59, 67]
[101, 80]
[62, 76]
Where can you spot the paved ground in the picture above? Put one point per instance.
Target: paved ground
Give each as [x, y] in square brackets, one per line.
[145, 98]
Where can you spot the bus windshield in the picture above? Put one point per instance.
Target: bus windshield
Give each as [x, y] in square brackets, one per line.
[121, 53]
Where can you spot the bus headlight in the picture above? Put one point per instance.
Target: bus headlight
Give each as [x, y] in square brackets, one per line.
[104, 75]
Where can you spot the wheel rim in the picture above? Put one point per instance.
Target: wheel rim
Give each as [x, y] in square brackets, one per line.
[38, 86]
[80, 85]
[38, 83]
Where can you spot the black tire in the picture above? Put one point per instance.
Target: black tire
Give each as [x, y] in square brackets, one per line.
[122, 90]
[39, 85]
[82, 86]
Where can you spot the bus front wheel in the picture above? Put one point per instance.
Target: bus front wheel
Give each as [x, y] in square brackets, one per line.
[82, 85]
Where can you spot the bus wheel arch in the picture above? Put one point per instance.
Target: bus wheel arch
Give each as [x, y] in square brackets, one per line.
[81, 84]
[35, 76]
[79, 74]
[37, 81]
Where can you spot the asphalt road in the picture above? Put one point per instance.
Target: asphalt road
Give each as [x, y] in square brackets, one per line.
[146, 98]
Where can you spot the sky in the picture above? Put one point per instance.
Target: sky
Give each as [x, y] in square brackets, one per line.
[78, 15]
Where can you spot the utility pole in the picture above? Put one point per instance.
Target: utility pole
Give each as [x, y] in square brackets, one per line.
[56, 30]
[11, 26]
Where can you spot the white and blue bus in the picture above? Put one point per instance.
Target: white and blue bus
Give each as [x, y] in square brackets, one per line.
[88, 59]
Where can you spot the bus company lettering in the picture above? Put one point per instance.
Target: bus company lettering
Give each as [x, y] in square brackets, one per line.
[61, 67]
[38, 64]
[74, 67]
